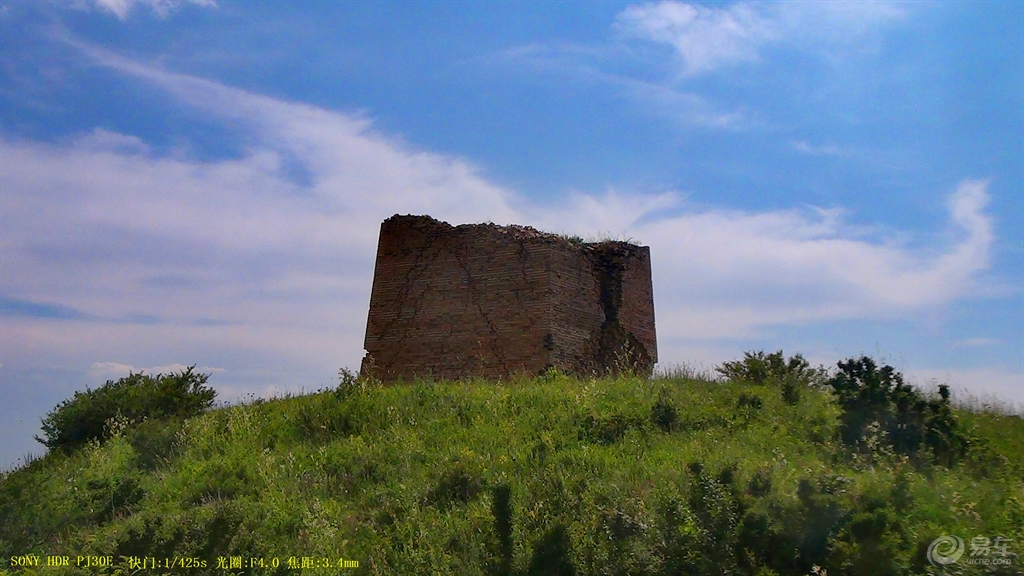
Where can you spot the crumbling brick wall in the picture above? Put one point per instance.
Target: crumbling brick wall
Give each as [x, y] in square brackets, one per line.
[487, 300]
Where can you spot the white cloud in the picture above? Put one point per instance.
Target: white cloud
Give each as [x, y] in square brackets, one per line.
[122, 8]
[177, 367]
[352, 166]
[686, 108]
[111, 370]
[101, 140]
[819, 150]
[612, 214]
[723, 274]
[976, 342]
[707, 38]
[977, 386]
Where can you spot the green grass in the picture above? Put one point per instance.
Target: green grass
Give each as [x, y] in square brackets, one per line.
[603, 476]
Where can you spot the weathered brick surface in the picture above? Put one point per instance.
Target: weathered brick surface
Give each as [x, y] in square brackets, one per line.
[487, 300]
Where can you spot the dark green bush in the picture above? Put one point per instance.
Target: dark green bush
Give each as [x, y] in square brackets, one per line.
[114, 495]
[222, 481]
[869, 395]
[607, 429]
[760, 484]
[552, 555]
[135, 398]
[458, 485]
[155, 442]
[749, 402]
[664, 414]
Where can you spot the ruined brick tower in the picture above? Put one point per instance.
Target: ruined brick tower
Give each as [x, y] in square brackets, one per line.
[488, 300]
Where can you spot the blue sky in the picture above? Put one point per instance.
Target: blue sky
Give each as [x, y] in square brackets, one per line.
[203, 182]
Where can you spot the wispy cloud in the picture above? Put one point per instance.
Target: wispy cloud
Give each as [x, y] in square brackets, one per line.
[707, 38]
[123, 8]
[820, 149]
[16, 307]
[660, 49]
[597, 67]
[977, 342]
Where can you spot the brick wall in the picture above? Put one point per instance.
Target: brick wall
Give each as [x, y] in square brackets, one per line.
[487, 300]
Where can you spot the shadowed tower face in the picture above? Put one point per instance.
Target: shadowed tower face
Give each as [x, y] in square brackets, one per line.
[491, 301]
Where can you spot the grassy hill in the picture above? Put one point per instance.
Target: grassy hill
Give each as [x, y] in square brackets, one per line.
[679, 474]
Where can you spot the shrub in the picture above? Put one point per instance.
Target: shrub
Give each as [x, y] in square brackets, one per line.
[873, 397]
[83, 418]
[759, 368]
[350, 383]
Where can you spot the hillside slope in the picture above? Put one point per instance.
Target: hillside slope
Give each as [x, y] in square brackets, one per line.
[552, 475]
